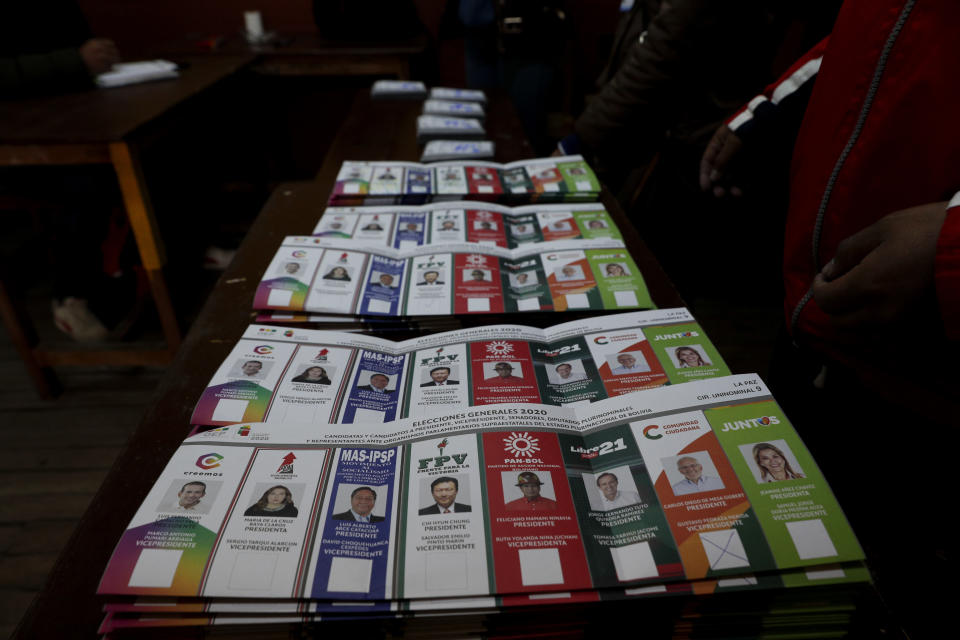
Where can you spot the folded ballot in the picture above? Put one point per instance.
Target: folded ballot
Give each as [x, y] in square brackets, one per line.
[282, 374]
[398, 90]
[339, 276]
[442, 223]
[432, 127]
[454, 108]
[463, 95]
[125, 73]
[705, 480]
[437, 150]
[553, 179]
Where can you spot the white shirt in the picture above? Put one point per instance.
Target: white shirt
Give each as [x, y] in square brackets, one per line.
[704, 483]
[622, 499]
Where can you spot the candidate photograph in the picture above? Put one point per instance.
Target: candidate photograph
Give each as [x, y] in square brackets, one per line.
[566, 372]
[250, 369]
[527, 495]
[607, 491]
[697, 471]
[312, 375]
[628, 362]
[444, 492]
[772, 461]
[440, 377]
[194, 496]
[376, 383]
[430, 278]
[363, 500]
[689, 356]
[501, 372]
[276, 502]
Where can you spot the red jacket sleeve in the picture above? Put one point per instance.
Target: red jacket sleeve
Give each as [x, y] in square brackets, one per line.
[784, 99]
[947, 269]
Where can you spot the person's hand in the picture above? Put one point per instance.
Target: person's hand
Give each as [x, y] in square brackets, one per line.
[99, 55]
[556, 153]
[720, 155]
[880, 273]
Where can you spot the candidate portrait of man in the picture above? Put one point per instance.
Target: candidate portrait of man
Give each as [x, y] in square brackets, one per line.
[430, 278]
[362, 502]
[439, 377]
[444, 491]
[190, 495]
[628, 363]
[529, 485]
[565, 373]
[377, 383]
[251, 368]
[694, 479]
[611, 496]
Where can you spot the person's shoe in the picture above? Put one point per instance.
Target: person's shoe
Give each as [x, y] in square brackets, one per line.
[72, 317]
[217, 259]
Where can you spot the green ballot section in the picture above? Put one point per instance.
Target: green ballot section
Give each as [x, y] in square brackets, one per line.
[693, 484]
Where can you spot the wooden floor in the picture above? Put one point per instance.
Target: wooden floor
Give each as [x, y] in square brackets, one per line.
[53, 458]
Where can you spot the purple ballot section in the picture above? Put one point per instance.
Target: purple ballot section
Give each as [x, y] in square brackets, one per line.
[353, 558]
[410, 230]
[384, 286]
[375, 390]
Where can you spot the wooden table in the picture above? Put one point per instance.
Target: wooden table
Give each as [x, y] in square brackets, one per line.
[309, 54]
[67, 606]
[103, 127]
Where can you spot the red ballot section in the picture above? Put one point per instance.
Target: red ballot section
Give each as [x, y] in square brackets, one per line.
[632, 367]
[483, 180]
[478, 288]
[485, 227]
[502, 371]
[534, 537]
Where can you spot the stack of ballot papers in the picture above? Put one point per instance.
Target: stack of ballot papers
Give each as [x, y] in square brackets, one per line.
[125, 73]
[678, 508]
[437, 150]
[398, 90]
[442, 223]
[554, 179]
[284, 374]
[331, 275]
[460, 95]
[454, 108]
[439, 127]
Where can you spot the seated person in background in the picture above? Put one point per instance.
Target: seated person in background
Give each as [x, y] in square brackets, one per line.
[46, 47]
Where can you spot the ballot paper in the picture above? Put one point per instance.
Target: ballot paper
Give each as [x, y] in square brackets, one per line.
[331, 275]
[437, 150]
[433, 127]
[553, 179]
[125, 73]
[463, 95]
[398, 90]
[279, 374]
[489, 224]
[454, 108]
[649, 488]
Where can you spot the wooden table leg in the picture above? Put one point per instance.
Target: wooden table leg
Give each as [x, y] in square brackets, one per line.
[24, 339]
[144, 226]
